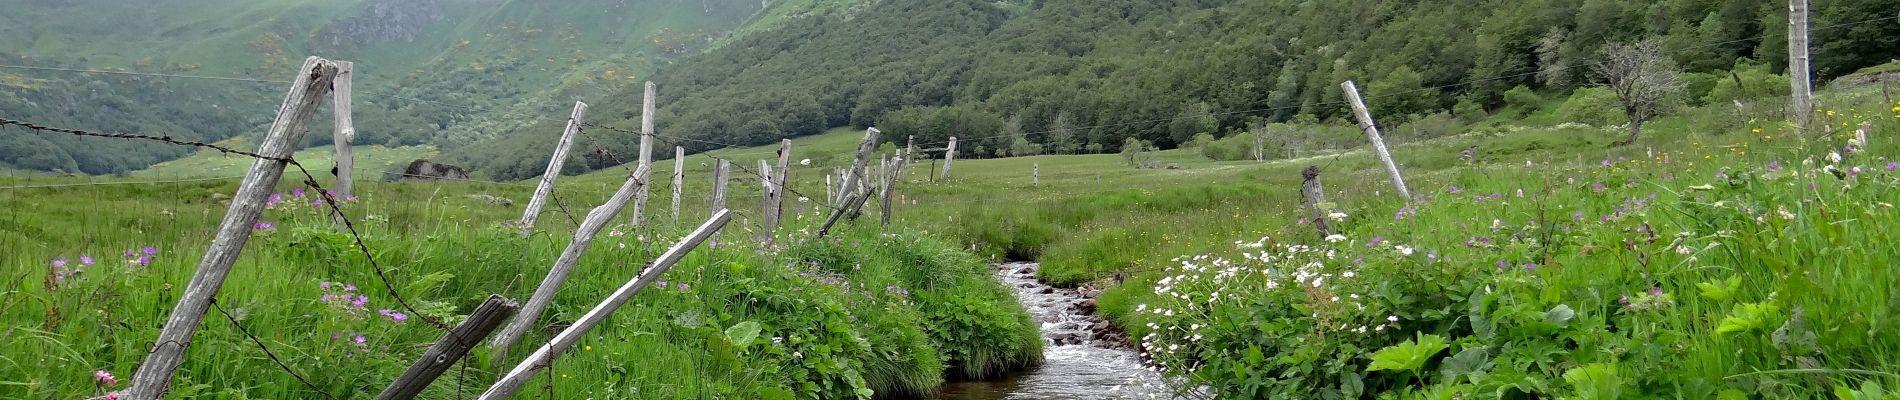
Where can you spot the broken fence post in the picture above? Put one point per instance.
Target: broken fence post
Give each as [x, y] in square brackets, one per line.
[890, 186]
[583, 238]
[848, 193]
[559, 158]
[451, 348]
[1372, 134]
[1314, 195]
[154, 374]
[775, 205]
[519, 376]
[345, 133]
[679, 178]
[949, 155]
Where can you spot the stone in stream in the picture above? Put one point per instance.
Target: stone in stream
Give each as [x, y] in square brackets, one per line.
[1085, 306]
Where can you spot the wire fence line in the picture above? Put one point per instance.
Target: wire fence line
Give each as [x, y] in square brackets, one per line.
[328, 198]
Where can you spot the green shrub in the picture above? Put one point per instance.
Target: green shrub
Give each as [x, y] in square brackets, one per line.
[1521, 100]
[1592, 105]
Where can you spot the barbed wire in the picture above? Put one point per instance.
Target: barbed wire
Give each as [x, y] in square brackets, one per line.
[152, 74]
[61, 185]
[266, 349]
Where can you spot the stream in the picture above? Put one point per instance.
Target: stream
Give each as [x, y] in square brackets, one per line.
[1077, 364]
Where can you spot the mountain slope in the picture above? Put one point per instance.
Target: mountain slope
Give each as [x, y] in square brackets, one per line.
[442, 72]
[1096, 72]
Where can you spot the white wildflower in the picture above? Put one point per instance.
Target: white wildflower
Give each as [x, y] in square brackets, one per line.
[1335, 238]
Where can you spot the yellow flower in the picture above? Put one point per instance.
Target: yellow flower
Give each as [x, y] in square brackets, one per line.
[587, 348]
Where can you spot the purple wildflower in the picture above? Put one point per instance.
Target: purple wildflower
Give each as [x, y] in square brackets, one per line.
[1853, 171]
[1598, 186]
[349, 287]
[398, 316]
[1774, 165]
[1502, 264]
[1531, 267]
[297, 192]
[1376, 240]
[1360, 260]
[360, 301]
[359, 339]
[325, 285]
[149, 250]
[59, 262]
[129, 253]
[1893, 166]
[144, 261]
[1577, 215]
[1655, 291]
[85, 260]
[662, 284]
[1606, 162]
[263, 226]
[683, 286]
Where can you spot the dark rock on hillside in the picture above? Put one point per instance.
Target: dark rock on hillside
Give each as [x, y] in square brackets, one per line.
[425, 170]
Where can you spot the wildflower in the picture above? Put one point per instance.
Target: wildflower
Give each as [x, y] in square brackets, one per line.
[143, 261]
[1655, 291]
[149, 250]
[103, 378]
[129, 253]
[1597, 186]
[1337, 216]
[325, 285]
[1531, 267]
[349, 287]
[1335, 238]
[297, 192]
[1502, 264]
[112, 395]
[358, 339]
[1850, 171]
[804, 162]
[662, 284]
[1405, 250]
[1893, 166]
[85, 260]
[59, 262]
[1578, 215]
[398, 316]
[683, 286]
[263, 226]
[1774, 166]
[1833, 157]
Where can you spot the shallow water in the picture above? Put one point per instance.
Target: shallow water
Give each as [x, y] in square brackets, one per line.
[1091, 370]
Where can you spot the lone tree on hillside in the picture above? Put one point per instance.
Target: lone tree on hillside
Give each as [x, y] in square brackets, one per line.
[1643, 79]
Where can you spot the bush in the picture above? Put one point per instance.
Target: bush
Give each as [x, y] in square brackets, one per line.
[1594, 105]
[1521, 100]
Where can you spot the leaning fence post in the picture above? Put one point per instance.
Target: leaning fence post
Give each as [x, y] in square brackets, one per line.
[583, 237]
[646, 153]
[345, 133]
[1372, 134]
[776, 204]
[154, 375]
[720, 175]
[949, 156]
[546, 187]
[848, 193]
[1801, 92]
[519, 376]
[451, 348]
[1314, 195]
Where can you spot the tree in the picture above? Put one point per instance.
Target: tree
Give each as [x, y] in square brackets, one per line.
[1552, 69]
[1062, 135]
[1642, 78]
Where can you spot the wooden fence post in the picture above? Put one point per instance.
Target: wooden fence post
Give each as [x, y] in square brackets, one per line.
[1314, 195]
[518, 376]
[1798, 64]
[546, 187]
[451, 348]
[910, 147]
[646, 153]
[1035, 174]
[1372, 134]
[848, 192]
[775, 204]
[890, 186]
[345, 134]
[583, 237]
[154, 375]
[720, 176]
[830, 194]
[949, 156]
[679, 178]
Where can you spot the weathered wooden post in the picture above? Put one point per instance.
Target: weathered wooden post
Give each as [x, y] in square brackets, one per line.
[1314, 195]
[451, 348]
[1372, 134]
[546, 187]
[679, 178]
[720, 175]
[1798, 64]
[583, 238]
[646, 154]
[830, 194]
[1035, 174]
[949, 155]
[515, 378]
[848, 193]
[345, 134]
[910, 147]
[154, 375]
[775, 205]
[890, 186]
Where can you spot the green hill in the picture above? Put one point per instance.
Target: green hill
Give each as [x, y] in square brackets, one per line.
[436, 72]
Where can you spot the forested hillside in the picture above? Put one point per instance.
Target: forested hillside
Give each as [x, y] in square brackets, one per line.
[437, 72]
[1094, 72]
